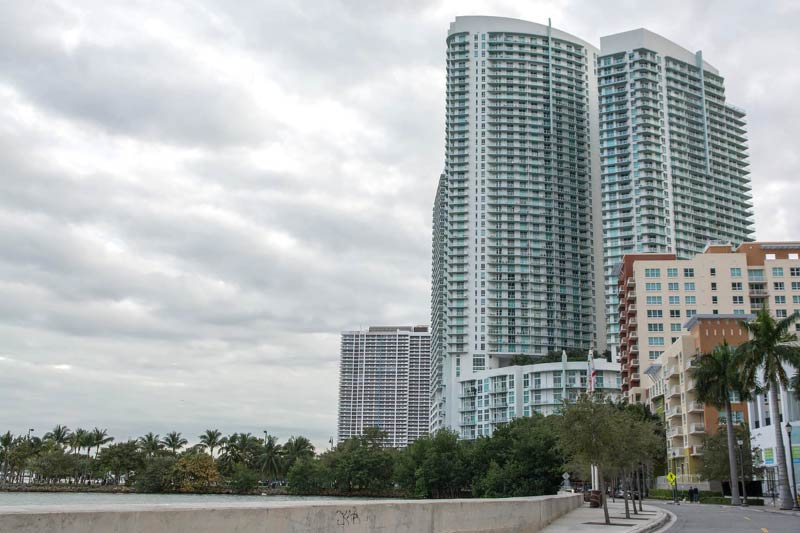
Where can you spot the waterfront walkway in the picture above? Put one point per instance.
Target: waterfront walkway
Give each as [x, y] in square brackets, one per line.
[586, 519]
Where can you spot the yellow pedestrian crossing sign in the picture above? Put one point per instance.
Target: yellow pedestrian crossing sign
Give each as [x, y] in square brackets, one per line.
[671, 479]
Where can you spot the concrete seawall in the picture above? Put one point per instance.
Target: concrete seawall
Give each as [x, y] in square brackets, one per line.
[507, 515]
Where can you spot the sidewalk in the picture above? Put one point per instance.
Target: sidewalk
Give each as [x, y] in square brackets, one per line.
[586, 519]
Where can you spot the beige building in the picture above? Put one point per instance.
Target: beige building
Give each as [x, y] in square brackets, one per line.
[672, 391]
[658, 294]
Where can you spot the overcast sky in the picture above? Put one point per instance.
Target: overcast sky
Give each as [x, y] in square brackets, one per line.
[196, 197]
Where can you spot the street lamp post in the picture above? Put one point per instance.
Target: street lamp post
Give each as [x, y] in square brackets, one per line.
[740, 442]
[265, 437]
[675, 486]
[788, 427]
[31, 430]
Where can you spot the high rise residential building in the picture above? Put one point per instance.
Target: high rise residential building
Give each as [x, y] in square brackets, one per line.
[384, 380]
[515, 233]
[673, 154]
[658, 293]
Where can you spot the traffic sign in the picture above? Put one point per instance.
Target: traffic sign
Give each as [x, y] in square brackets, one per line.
[671, 478]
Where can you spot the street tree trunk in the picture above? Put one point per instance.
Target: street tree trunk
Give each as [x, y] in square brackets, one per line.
[603, 487]
[784, 492]
[625, 494]
[640, 487]
[734, 477]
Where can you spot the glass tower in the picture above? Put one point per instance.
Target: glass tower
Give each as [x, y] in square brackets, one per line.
[514, 232]
[673, 155]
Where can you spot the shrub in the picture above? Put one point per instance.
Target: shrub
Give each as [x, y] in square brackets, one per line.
[243, 479]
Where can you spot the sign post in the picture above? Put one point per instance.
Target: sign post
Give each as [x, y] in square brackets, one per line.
[671, 479]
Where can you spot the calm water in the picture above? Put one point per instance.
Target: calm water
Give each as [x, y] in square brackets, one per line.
[92, 498]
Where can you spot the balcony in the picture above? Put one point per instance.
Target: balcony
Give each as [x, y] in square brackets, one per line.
[697, 429]
[696, 407]
[631, 283]
[674, 391]
[671, 371]
[697, 450]
[675, 431]
[675, 452]
[674, 412]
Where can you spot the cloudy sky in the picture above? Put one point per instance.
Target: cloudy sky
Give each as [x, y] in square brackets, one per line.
[196, 197]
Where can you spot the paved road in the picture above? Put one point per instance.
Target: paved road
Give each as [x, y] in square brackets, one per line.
[726, 519]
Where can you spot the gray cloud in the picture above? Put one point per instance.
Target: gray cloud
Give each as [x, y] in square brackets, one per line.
[196, 197]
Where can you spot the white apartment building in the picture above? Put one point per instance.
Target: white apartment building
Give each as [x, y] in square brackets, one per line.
[514, 230]
[501, 394]
[384, 379]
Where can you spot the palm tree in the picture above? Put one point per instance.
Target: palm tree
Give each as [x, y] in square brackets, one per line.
[174, 441]
[766, 355]
[151, 444]
[297, 448]
[269, 457]
[211, 439]
[99, 438]
[59, 435]
[78, 440]
[716, 377]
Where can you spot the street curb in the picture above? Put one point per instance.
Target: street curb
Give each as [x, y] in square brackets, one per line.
[664, 518]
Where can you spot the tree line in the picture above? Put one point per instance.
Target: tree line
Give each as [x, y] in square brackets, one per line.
[151, 463]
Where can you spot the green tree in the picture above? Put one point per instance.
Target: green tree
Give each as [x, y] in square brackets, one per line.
[151, 444]
[435, 466]
[6, 443]
[122, 459]
[155, 475]
[212, 439]
[78, 440]
[194, 472]
[100, 437]
[174, 441]
[716, 377]
[308, 476]
[60, 435]
[269, 459]
[520, 459]
[243, 479]
[361, 464]
[716, 452]
[764, 359]
[296, 448]
[54, 464]
[590, 433]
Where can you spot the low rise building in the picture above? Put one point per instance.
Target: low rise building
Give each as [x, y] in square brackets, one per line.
[672, 392]
[499, 395]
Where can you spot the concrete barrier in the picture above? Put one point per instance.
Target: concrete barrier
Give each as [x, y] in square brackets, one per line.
[506, 515]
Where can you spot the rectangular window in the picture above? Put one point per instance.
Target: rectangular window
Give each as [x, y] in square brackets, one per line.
[673, 286]
[738, 300]
[796, 285]
[691, 300]
[796, 299]
[652, 287]
[738, 311]
[777, 272]
[736, 272]
[674, 300]
[712, 271]
[675, 327]
[653, 355]
[672, 272]
[557, 380]
[736, 286]
[778, 285]
[780, 313]
[714, 300]
[755, 274]
[794, 272]
[652, 272]
[688, 286]
[655, 327]
[690, 313]
[780, 299]
[688, 272]
[655, 341]
[654, 300]
[655, 313]
[674, 313]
